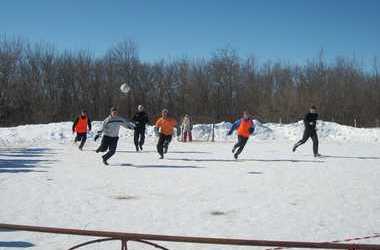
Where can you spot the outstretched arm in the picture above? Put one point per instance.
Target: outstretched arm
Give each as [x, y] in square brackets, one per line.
[75, 123]
[234, 126]
[127, 124]
[89, 123]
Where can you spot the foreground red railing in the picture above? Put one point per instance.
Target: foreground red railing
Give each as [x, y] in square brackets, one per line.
[145, 238]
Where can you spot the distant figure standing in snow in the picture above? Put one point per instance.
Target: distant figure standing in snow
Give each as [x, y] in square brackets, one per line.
[81, 126]
[140, 119]
[245, 127]
[164, 128]
[187, 127]
[110, 131]
[310, 122]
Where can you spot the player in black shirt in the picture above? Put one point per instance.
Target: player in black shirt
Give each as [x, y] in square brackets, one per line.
[140, 120]
[310, 122]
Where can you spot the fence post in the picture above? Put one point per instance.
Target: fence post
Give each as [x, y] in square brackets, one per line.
[213, 132]
[124, 244]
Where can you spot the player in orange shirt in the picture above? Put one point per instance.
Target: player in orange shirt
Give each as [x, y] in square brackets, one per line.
[164, 128]
[245, 127]
[81, 126]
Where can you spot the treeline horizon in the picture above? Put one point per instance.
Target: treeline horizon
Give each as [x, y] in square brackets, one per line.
[39, 84]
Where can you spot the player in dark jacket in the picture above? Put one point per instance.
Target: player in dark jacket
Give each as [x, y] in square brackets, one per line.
[140, 119]
[310, 122]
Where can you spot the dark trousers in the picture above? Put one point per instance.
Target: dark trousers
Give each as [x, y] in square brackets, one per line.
[240, 144]
[163, 143]
[306, 135]
[110, 144]
[139, 137]
[82, 137]
[187, 134]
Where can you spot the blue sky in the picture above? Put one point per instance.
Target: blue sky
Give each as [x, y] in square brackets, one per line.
[291, 30]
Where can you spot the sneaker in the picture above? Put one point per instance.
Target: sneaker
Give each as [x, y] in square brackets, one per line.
[141, 148]
[317, 155]
[161, 156]
[294, 148]
[80, 148]
[97, 150]
[105, 162]
[137, 149]
[236, 156]
[233, 150]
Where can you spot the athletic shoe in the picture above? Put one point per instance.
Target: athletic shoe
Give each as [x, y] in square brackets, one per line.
[105, 162]
[236, 156]
[233, 150]
[141, 148]
[161, 156]
[294, 148]
[317, 155]
[137, 149]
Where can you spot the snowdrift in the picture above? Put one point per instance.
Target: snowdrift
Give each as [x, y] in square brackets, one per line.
[327, 131]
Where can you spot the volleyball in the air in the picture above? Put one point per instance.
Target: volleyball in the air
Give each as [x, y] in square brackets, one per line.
[124, 88]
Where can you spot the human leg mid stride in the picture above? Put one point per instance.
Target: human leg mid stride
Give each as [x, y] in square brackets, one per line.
[162, 144]
[112, 149]
[142, 139]
[314, 137]
[136, 139]
[242, 141]
[82, 138]
[305, 137]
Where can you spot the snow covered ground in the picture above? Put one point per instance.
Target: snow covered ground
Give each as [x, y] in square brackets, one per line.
[198, 190]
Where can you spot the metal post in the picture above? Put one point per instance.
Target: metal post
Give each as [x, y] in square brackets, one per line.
[213, 132]
[124, 244]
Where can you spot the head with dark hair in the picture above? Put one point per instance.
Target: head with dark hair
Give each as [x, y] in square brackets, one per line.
[246, 114]
[164, 113]
[313, 109]
[113, 111]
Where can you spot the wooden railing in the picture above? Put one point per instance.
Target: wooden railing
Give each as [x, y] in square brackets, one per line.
[146, 238]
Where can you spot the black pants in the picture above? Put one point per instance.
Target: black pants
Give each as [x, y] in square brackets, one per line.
[110, 144]
[306, 134]
[82, 137]
[139, 137]
[240, 144]
[163, 143]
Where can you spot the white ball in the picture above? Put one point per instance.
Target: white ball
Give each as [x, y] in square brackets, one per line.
[125, 88]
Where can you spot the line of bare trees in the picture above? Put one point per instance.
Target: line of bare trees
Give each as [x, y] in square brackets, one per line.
[38, 84]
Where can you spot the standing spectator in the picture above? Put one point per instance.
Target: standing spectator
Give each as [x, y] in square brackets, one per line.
[187, 127]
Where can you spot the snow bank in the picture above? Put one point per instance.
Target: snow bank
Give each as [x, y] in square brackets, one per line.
[327, 131]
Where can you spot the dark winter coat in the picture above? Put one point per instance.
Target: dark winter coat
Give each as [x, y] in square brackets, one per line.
[140, 119]
[310, 121]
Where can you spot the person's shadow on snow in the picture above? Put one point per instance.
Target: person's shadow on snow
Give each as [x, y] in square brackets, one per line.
[245, 160]
[352, 157]
[11, 162]
[15, 244]
[155, 166]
